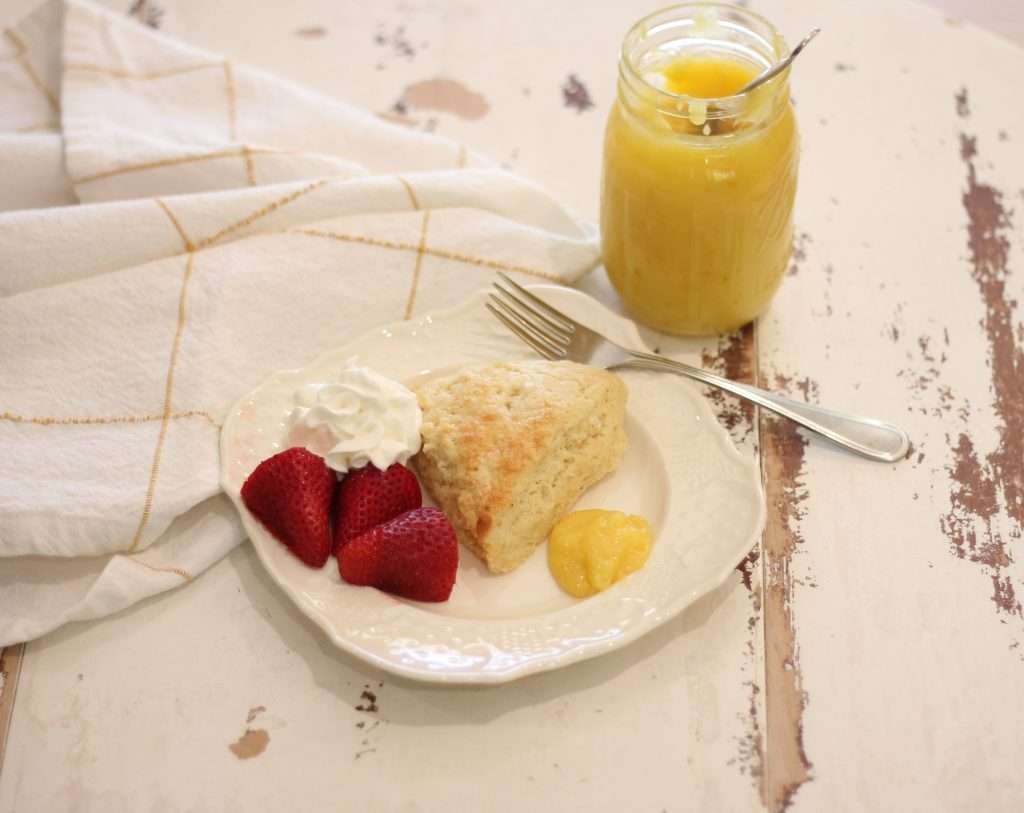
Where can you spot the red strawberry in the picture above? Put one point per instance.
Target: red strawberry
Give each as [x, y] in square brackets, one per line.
[415, 555]
[368, 496]
[291, 494]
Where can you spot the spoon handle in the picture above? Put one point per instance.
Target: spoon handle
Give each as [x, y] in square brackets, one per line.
[778, 67]
[865, 436]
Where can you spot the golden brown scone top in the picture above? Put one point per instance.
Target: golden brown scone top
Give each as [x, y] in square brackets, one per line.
[485, 425]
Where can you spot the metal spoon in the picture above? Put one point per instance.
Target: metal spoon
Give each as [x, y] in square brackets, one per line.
[778, 67]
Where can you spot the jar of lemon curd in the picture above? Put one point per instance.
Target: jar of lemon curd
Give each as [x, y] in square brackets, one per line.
[699, 181]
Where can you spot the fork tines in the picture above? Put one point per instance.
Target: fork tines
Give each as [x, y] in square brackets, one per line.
[557, 318]
[531, 319]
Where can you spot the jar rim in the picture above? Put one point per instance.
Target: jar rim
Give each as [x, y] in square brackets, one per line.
[640, 29]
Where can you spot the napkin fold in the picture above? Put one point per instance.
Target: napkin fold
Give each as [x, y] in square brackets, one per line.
[230, 224]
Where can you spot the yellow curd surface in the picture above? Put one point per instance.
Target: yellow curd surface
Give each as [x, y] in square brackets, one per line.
[589, 551]
[707, 77]
[696, 212]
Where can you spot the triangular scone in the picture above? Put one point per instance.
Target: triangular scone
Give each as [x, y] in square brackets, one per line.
[508, 448]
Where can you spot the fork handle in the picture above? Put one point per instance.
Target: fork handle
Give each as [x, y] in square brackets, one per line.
[872, 439]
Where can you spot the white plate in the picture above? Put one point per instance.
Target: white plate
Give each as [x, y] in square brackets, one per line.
[681, 471]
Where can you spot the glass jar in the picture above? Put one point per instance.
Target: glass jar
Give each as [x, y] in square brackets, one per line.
[699, 181]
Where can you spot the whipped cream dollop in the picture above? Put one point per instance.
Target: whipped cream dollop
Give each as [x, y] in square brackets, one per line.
[358, 418]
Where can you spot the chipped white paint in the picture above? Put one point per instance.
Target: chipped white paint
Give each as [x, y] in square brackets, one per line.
[910, 669]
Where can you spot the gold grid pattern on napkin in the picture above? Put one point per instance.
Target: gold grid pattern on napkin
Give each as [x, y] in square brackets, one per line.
[191, 249]
[441, 253]
[415, 201]
[21, 55]
[411, 301]
[229, 83]
[117, 73]
[165, 419]
[231, 95]
[251, 218]
[104, 420]
[244, 151]
[178, 571]
[233, 152]
[177, 224]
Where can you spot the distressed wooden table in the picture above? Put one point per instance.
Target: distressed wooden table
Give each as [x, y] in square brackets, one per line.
[866, 656]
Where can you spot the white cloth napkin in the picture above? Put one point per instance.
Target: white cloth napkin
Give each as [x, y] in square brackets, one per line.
[230, 224]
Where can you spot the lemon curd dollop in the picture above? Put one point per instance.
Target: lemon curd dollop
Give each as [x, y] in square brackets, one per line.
[698, 185]
[590, 550]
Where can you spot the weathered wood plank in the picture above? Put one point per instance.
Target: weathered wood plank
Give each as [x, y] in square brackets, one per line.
[901, 583]
[878, 671]
[786, 763]
[10, 672]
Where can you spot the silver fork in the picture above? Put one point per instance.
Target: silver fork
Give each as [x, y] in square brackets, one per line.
[556, 336]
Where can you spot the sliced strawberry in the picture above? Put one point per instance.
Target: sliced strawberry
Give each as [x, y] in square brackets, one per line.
[291, 494]
[368, 496]
[415, 555]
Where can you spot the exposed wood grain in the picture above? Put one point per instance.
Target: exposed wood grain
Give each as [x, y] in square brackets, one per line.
[787, 766]
[990, 488]
[10, 671]
[782, 445]
[735, 358]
